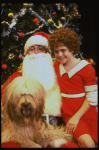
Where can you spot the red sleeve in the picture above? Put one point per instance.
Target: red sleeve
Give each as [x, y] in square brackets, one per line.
[10, 145]
[9, 80]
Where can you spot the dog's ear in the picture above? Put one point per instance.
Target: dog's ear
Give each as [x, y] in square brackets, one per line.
[12, 110]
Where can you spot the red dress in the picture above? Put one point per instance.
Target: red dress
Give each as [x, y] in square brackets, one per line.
[72, 86]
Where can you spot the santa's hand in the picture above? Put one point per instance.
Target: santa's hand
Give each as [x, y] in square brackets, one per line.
[72, 124]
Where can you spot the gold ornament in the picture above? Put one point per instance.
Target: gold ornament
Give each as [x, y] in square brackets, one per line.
[56, 4]
[49, 20]
[11, 56]
[63, 18]
[10, 15]
[25, 4]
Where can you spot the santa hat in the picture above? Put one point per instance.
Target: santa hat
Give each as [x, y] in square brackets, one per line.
[38, 38]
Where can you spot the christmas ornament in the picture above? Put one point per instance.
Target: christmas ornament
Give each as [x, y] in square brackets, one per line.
[21, 34]
[54, 13]
[35, 20]
[25, 4]
[38, 16]
[49, 20]
[11, 56]
[20, 56]
[10, 15]
[4, 66]
[63, 18]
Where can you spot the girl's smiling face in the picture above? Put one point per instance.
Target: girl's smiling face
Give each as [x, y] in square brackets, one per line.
[63, 54]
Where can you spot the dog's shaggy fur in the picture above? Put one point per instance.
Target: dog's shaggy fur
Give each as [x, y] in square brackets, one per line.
[23, 109]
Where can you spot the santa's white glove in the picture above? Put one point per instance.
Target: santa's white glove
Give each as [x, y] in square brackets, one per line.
[92, 97]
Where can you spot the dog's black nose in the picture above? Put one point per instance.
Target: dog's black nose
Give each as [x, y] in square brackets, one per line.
[26, 104]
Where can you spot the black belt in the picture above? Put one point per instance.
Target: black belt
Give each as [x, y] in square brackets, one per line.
[53, 120]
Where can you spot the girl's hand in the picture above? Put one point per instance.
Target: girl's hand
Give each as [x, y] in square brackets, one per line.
[72, 124]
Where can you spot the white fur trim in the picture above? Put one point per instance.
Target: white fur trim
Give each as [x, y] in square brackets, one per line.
[57, 143]
[35, 40]
[53, 101]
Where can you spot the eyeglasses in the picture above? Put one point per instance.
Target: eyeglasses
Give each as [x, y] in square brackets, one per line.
[36, 49]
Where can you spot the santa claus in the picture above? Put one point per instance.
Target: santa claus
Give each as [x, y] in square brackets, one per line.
[38, 64]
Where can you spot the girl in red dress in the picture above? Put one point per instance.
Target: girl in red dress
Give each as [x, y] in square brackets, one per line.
[77, 81]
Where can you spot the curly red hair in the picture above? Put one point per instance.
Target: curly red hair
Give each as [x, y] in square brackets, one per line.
[65, 36]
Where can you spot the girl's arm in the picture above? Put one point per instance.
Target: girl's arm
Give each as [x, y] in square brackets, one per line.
[72, 123]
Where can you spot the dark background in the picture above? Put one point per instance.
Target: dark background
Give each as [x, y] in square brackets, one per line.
[89, 30]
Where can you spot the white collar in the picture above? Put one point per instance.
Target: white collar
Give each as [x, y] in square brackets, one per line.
[78, 67]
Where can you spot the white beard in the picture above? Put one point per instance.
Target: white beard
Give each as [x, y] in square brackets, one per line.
[40, 67]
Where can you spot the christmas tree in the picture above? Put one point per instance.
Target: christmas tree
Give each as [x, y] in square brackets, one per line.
[19, 21]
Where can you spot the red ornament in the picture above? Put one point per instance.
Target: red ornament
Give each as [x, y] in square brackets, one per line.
[21, 34]
[20, 56]
[35, 20]
[54, 13]
[4, 66]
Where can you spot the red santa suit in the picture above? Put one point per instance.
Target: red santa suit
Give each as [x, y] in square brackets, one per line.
[10, 145]
[78, 83]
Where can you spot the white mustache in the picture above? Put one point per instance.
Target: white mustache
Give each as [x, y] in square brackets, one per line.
[40, 55]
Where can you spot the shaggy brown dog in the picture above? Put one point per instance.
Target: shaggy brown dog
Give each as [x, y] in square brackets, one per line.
[23, 109]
